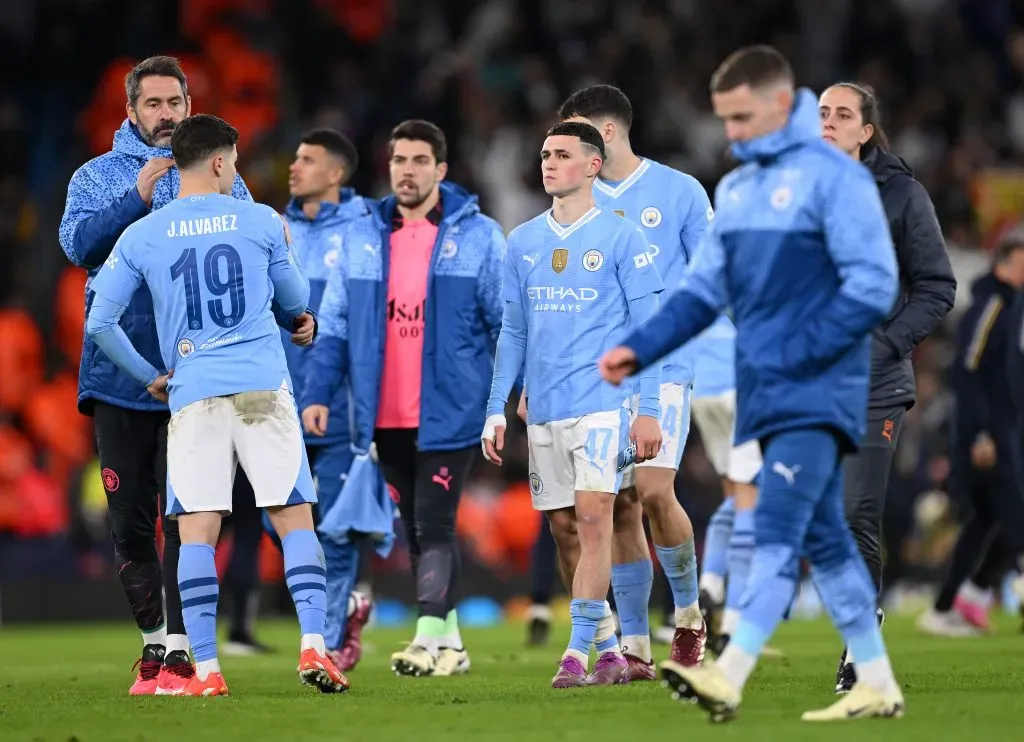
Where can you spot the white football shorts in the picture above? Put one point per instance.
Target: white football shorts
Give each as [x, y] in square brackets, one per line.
[675, 427]
[207, 439]
[716, 419]
[576, 454]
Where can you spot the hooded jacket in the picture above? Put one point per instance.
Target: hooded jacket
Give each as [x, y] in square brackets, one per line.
[927, 284]
[102, 202]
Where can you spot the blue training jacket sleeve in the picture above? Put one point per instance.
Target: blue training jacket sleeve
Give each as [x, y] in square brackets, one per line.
[642, 309]
[114, 286]
[327, 362]
[858, 241]
[93, 221]
[701, 297]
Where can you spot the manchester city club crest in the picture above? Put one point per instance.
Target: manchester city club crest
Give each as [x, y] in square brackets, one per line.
[559, 259]
[593, 260]
[186, 347]
[449, 248]
[536, 486]
[651, 217]
[781, 197]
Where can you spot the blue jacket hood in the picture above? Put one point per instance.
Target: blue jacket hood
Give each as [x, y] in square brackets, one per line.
[456, 203]
[128, 142]
[351, 206]
[803, 126]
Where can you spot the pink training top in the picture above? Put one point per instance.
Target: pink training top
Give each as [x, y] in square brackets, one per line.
[412, 243]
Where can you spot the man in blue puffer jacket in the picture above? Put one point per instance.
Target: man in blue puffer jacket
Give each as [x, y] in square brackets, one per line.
[412, 315]
[317, 216]
[105, 196]
[800, 249]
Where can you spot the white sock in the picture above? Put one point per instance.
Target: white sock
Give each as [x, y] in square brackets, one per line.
[540, 612]
[849, 656]
[689, 617]
[730, 620]
[431, 643]
[452, 640]
[974, 594]
[583, 658]
[713, 585]
[638, 646]
[156, 636]
[177, 643]
[878, 674]
[204, 668]
[736, 665]
[313, 641]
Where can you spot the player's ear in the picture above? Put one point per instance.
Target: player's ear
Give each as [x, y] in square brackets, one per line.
[442, 170]
[188, 106]
[130, 111]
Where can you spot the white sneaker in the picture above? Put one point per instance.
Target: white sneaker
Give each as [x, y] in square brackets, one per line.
[862, 702]
[451, 662]
[948, 624]
[704, 685]
[415, 661]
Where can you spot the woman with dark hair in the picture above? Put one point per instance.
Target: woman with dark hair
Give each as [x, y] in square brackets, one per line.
[850, 121]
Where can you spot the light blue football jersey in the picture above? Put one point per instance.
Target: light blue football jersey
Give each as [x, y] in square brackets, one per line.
[673, 210]
[715, 352]
[213, 265]
[574, 284]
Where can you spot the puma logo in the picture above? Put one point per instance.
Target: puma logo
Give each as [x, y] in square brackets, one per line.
[308, 601]
[785, 472]
[531, 259]
[443, 478]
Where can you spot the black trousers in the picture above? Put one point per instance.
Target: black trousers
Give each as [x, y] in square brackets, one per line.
[865, 481]
[133, 458]
[995, 522]
[429, 485]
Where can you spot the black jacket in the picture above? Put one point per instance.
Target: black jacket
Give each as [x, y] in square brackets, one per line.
[979, 375]
[1015, 355]
[927, 285]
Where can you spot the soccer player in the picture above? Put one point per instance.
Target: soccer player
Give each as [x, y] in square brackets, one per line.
[986, 435]
[411, 317]
[105, 196]
[213, 265]
[576, 278]
[672, 210]
[800, 250]
[729, 544]
[319, 210]
[850, 121]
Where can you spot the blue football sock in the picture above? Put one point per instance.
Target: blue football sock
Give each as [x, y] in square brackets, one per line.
[680, 565]
[631, 584]
[342, 566]
[741, 552]
[585, 615]
[197, 581]
[773, 580]
[307, 579]
[716, 543]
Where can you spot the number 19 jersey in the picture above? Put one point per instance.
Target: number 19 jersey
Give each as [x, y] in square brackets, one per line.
[212, 264]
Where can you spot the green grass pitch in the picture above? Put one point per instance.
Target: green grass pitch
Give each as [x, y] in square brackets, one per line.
[69, 684]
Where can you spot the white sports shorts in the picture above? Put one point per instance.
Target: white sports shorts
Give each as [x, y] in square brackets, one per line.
[576, 454]
[207, 439]
[675, 427]
[716, 419]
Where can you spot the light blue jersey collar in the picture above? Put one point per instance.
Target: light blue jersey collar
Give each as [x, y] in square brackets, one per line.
[563, 232]
[804, 125]
[614, 191]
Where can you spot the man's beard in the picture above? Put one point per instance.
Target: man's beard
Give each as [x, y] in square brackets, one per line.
[150, 137]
